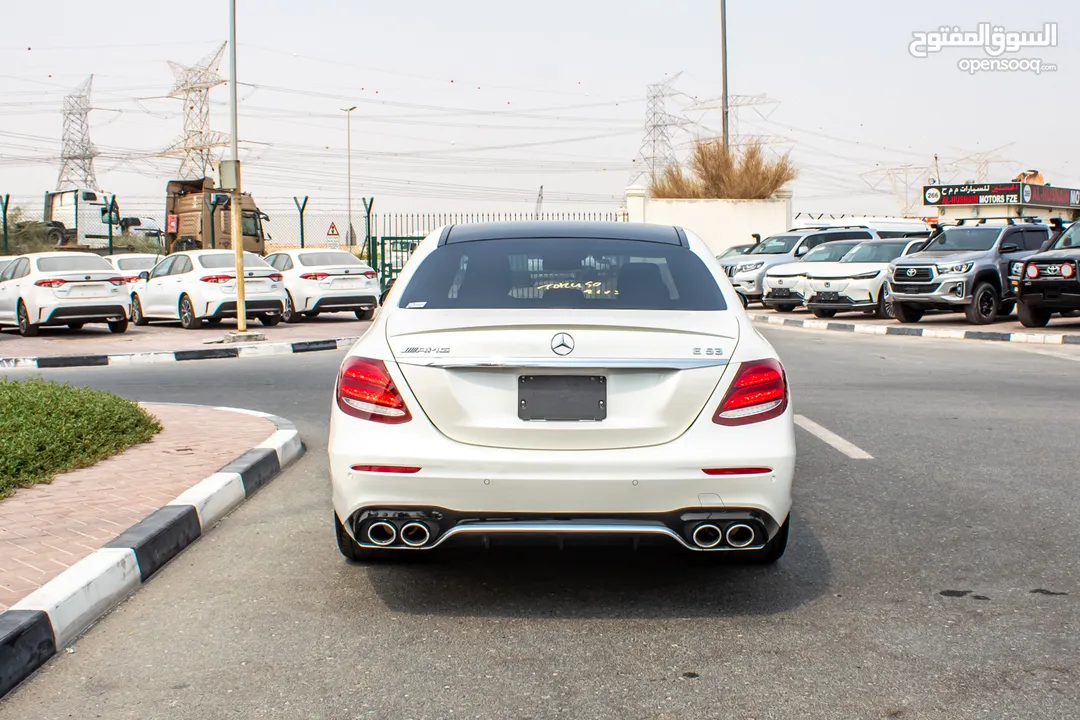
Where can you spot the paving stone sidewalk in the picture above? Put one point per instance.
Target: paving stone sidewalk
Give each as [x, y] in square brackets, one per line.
[47, 528]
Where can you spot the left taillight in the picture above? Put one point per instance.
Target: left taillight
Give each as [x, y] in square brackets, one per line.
[365, 390]
[759, 392]
[276, 277]
[51, 283]
[370, 274]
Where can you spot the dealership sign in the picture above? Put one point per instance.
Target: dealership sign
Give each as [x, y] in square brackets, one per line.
[1001, 194]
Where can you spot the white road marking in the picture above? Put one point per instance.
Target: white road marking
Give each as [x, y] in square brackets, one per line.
[831, 438]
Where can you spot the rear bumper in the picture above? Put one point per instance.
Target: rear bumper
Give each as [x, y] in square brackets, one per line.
[64, 314]
[628, 485]
[252, 308]
[343, 303]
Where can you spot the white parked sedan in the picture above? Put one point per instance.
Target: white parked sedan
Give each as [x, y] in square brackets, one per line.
[131, 264]
[62, 288]
[784, 285]
[319, 281]
[510, 388]
[857, 281]
[198, 286]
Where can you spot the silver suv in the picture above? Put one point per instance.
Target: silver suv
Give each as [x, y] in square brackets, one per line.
[747, 272]
[964, 267]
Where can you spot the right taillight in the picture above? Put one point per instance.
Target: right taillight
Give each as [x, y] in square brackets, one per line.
[365, 390]
[759, 392]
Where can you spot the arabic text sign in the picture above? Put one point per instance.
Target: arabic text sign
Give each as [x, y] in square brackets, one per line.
[994, 40]
[1001, 194]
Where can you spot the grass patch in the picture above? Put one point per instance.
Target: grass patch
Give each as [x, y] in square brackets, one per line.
[48, 428]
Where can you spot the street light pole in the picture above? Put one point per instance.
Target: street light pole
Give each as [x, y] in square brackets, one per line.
[723, 70]
[237, 231]
[348, 140]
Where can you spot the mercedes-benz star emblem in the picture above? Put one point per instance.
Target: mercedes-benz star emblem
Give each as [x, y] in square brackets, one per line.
[562, 344]
[911, 272]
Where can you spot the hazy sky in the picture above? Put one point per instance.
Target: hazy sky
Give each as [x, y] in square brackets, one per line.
[473, 104]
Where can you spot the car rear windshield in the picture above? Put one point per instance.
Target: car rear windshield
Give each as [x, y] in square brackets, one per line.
[776, 245]
[228, 260]
[565, 273]
[965, 238]
[73, 262]
[314, 259]
[876, 252]
[136, 263]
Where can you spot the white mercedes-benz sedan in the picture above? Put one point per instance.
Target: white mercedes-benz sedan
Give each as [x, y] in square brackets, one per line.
[562, 380]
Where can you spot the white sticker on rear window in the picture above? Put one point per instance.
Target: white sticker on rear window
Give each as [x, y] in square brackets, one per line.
[416, 305]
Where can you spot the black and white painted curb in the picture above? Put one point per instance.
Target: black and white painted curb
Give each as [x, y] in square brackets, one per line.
[927, 332]
[48, 620]
[153, 358]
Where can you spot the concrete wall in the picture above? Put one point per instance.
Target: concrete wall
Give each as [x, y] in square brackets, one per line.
[720, 223]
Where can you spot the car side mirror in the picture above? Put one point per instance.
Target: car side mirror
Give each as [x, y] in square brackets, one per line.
[1009, 248]
[144, 275]
[801, 251]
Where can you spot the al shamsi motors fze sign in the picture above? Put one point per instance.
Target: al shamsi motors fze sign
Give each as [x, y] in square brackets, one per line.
[1001, 194]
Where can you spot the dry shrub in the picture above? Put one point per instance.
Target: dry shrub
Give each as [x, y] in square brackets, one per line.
[719, 173]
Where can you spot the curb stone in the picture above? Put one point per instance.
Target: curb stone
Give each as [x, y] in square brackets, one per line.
[927, 332]
[152, 358]
[49, 619]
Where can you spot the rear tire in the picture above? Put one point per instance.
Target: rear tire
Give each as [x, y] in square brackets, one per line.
[984, 306]
[743, 300]
[137, 316]
[187, 314]
[288, 313]
[774, 549]
[118, 326]
[823, 313]
[1006, 308]
[311, 313]
[212, 322]
[907, 313]
[75, 326]
[269, 320]
[26, 328]
[1033, 317]
[364, 314]
[784, 308]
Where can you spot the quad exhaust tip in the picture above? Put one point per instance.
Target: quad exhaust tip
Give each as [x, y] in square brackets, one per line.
[707, 536]
[740, 535]
[381, 533]
[415, 534]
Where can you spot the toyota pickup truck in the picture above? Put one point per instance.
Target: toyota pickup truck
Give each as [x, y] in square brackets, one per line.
[964, 268]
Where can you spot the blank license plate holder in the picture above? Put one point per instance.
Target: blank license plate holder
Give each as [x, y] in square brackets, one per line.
[562, 398]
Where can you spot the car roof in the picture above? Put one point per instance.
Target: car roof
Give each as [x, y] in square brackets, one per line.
[132, 255]
[644, 232]
[62, 253]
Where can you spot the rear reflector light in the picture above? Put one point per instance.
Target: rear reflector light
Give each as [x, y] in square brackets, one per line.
[217, 278]
[55, 283]
[276, 277]
[386, 469]
[1033, 271]
[365, 390]
[314, 276]
[758, 393]
[370, 274]
[737, 471]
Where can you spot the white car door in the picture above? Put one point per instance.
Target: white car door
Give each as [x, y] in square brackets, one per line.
[153, 294]
[180, 276]
[8, 295]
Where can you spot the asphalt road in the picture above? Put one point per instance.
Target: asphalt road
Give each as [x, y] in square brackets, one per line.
[936, 580]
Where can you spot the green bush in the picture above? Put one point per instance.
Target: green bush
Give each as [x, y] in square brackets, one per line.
[47, 428]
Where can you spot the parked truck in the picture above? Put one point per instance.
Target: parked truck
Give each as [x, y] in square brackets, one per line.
[198, 216]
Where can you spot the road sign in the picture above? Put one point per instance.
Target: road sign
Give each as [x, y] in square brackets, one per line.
[332, 232]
